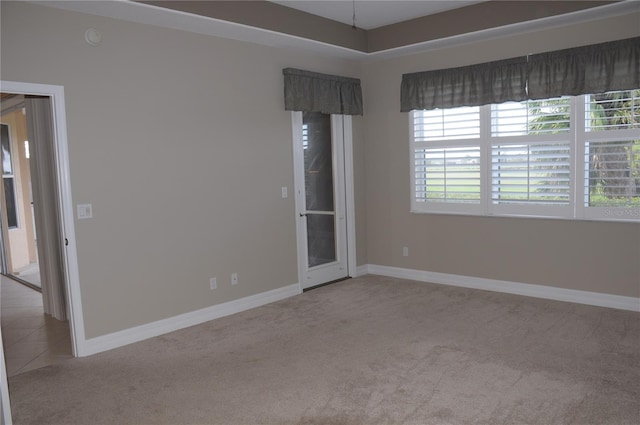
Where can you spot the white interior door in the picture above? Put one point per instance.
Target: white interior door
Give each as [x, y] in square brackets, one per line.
[50, 245]
[319, 142]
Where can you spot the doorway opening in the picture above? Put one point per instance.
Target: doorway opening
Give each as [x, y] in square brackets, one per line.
[33, 335]
[37, 327]
[46, 119]
[19, 238]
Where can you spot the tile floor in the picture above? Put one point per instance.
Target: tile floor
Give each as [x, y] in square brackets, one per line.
[31, 339]
[31, 274]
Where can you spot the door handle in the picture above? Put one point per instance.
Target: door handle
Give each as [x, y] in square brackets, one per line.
[303, 214]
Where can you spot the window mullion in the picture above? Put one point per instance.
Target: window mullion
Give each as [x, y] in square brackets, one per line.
[485, 160]
[578, 170]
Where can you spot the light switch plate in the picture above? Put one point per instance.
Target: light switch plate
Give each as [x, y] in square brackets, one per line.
[84, 211]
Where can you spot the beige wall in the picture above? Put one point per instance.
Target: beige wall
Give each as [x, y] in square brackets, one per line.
[181, 143]
[591, 256]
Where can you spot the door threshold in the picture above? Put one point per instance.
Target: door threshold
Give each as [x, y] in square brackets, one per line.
[325, 284]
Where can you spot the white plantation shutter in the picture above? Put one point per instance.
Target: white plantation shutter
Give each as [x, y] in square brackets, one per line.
[535, 173]
[612, 111]
[609, 179]
[447, 174]
[446, 159]
[305, 136]
[447, 124]
[562, 158]
[611, 164]
[548, 116]
[531, 156]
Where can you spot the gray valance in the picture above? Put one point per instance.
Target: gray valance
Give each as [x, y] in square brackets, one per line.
[314, 92]
[493, 82]
[582, 70]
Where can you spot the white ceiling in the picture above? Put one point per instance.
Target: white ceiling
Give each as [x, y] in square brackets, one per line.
[374, 13]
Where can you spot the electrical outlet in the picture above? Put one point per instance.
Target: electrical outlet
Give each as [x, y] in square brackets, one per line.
[405, 251]
[213, 283]
[234, 278]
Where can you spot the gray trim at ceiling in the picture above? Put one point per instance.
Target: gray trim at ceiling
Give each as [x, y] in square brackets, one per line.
[464, 20]
[470, 19]
[142, 13]
[273, 17]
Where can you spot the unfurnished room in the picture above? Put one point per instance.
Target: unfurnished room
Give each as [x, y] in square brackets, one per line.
[320, 212]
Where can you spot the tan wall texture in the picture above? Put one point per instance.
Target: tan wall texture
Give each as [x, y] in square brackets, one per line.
[181, 143]
[591, 256]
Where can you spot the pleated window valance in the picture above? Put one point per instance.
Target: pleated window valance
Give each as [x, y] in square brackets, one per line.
[582, 70]
[493, 82]
[314, 92]
[585, 70]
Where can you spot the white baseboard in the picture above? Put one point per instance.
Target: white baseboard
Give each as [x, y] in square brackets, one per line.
[537, 291]
[149, 330]
[362, 270]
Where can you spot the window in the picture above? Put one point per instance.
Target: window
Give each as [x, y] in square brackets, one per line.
[8, 179]
[446, 158]
[568, 157]
[611, 165]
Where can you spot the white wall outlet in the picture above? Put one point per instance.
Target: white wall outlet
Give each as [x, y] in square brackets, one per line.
[405, 251]
[285, 192]
[234, 278]
[213, 283]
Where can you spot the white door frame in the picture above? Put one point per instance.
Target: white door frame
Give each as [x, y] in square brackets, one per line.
[65, 204]
[349, 193]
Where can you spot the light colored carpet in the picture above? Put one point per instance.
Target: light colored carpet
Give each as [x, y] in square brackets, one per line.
[370, 350]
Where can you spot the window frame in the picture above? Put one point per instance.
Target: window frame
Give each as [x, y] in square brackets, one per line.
[577, 137]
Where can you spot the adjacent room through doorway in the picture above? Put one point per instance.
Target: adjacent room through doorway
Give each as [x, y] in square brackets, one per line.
[19, 237]
[33, 333]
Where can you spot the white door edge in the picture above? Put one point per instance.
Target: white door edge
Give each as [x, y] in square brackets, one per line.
[349, 195]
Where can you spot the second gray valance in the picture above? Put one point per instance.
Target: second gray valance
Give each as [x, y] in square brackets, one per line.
[581, 70]
[589, 69]
[314, 92]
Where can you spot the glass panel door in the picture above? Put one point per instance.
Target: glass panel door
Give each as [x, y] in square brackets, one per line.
[321, 204]
[319, 193]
